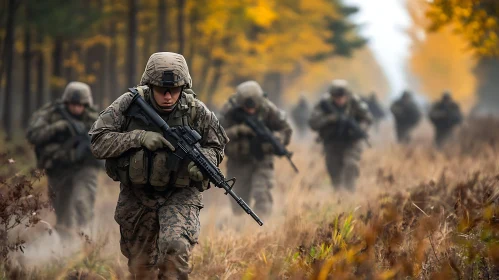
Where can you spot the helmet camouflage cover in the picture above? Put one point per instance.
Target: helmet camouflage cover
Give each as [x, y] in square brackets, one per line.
[339, 88]
[166, 69]
[77, 93]
[249, 94]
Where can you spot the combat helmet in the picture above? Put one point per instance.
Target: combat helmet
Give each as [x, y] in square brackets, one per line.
[249, 95]
[166, 69]
[339, 88]
[77, 93]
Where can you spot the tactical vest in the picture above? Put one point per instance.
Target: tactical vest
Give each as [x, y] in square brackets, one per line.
[60, 153]
[141, 167]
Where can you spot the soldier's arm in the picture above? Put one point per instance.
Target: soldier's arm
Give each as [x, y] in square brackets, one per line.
[319, 118]
[231, 129]
[41, 131]
[108, 138]
[278, 123]
[213, 135]
[363, 116]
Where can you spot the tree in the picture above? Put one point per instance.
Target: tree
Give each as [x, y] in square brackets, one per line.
[132, 40]
[27, 70]
[8, 57]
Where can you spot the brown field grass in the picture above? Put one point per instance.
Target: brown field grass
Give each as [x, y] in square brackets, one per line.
[417, 213]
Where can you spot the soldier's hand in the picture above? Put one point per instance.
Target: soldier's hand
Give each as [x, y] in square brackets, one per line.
[153, 141]
[245, 130]
[60, 125]
[194, 172]
[267, 148]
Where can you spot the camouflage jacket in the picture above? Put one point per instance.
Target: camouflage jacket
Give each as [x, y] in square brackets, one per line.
[116, 137]
[326, 117]
[239, 147]
[445, 114]
[406, 112]
[55, 147]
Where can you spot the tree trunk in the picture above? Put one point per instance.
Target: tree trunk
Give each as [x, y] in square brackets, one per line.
[193, 34]
[488, 96]
[8, 57]
[181, 26]
[215, 81]
[132, 41]
[27, 74]
[40, 88]
[163, 34]
[272, 84]
[113, 57]
[57, 60]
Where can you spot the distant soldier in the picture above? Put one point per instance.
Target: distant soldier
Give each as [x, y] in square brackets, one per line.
[250, 159]
[300, 114]
[342, 120]
[376, 109]
[159, 204]
[407, 116]
[445, 116]
[59, 132]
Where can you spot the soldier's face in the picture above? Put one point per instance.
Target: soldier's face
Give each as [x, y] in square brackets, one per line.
[340, 100]
[249, 111]
[166, 97]
[76, 109]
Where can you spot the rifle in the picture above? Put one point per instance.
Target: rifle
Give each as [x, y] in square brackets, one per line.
[81, 140]
[186, 143]
[263, 134]
[346, 125]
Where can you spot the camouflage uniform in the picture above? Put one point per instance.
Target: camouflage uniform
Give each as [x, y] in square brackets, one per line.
[343, 151]
[254, 170]
[376, 110]
[64, 152]
[445, 115]
[407, 116]
[158, 209]
[300, 115]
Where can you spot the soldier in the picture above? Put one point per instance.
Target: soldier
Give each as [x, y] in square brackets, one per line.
[158, 209]
[376, 109]
[445, 115]
[407, 116]
[341, 119]
[59, 132]
[250, 160]
[300, 114]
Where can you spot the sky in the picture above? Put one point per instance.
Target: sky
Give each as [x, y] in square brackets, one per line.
[384, 23]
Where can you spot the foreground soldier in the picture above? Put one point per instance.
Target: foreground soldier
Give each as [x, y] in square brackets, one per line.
[445, 115]
[341, 119]
[158, 209]
[249, 160]
[59, 133]
[407, 116]
[300, 114]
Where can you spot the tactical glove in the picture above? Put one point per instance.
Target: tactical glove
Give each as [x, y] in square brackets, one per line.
[60, 125]
[153, 141]
[194, 172]
[245, 130]
[267, 148]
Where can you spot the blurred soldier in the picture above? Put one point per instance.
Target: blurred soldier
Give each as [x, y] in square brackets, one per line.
[250, 160]
[158, 208]
[376, 109]
[407, 116]
[445, 115]
[341, 119]
[300, 114]
[59, 132]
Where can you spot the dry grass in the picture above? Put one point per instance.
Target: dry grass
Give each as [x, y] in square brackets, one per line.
[418, 213]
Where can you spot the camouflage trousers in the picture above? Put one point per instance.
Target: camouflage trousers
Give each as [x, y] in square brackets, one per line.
[157, 241]
[72, 194]
[403, 133]
[255, 179]
[442, 135]
[342, 163]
